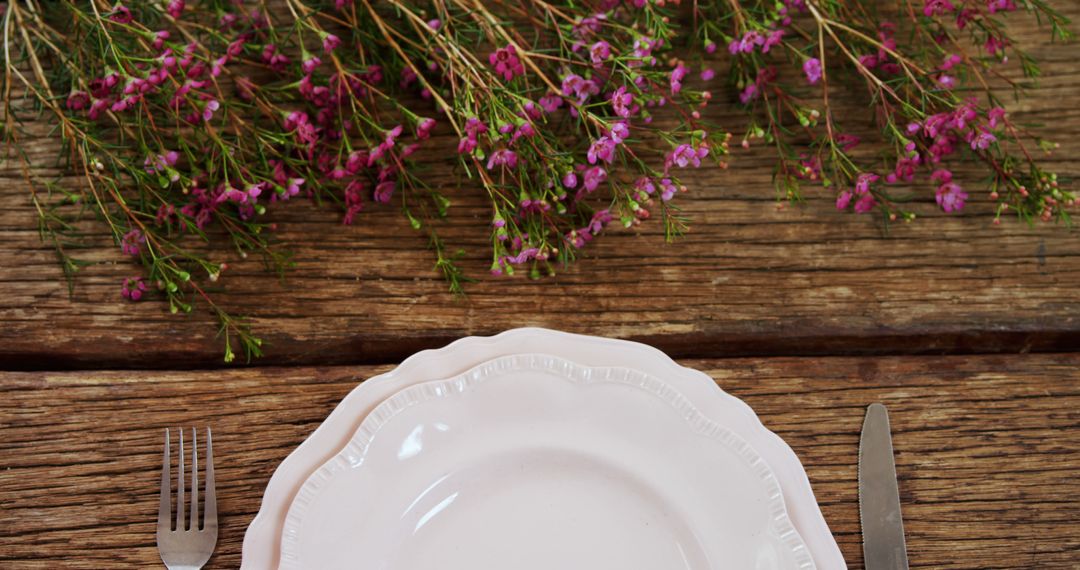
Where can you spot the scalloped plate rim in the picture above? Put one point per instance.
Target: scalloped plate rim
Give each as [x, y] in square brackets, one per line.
[261, 545]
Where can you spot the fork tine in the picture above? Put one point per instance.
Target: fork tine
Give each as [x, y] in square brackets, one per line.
[164, 506]
[194, 479]
[210, 508]
[180, 526]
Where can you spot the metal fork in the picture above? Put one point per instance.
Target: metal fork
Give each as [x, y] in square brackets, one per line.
[187, 547]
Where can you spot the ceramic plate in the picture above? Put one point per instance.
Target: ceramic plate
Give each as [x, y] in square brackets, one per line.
[534, 462]
[262, 543]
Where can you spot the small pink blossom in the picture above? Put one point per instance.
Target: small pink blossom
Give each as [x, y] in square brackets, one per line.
[550, 103]
[603, 149]
[843, 200]
[865, 204]
[677, 76]
[506, 62]
[424, 127]
[812, 69]
[121, 15]
[685, 155]
[209, 109]
[593, 177]
[502, 157]
[937, 7]
[996, 116]
[982, 140]
[619, 132]
[622, 102]
[133, 288]
[175, 8]
[600, 51]
[667, 189]
[863, 182]
[132, 242]
[310, 63]
[78, 100]
[330, 43]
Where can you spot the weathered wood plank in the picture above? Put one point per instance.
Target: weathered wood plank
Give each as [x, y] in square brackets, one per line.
[986, 451]
[749, 278]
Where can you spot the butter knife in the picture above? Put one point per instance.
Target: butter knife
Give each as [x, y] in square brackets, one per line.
[879, 497]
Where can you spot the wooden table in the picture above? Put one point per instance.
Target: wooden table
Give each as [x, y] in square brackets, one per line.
[969, 332]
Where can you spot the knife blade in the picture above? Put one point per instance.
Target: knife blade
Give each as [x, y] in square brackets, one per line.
[879, 496]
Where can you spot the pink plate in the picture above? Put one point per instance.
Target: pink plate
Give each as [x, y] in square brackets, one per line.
[262, 544]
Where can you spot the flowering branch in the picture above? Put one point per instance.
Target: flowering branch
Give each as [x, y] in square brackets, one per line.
[189, 120]
[919, 88]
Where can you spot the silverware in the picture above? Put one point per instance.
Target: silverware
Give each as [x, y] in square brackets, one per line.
[187, 546]
[879, 497]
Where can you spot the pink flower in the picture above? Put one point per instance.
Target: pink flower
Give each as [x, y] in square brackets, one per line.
[292, 188]
[937, 7]
[593, 177]
[159, 42]
[550, 102]
[771, 40]
[424, 127]
[847, 141]
[667, 189]
[78, 100]
[863, 182]
[602, 148]
[685, 155]
[619, 132]
[946, 81]
[707, 74]
[995, 6]
[434, 23]
[812, 69]
[994, 45]
[982, 140]
[949, 195]
[121, 15]
[506, 62]
[133, 288]
[645, 185]
[600, 52]
[843, 200]
[384, 191]
[310, 63]
[502, 157]
[570, 180]
[131, 243]
[996, 116]
[950, 62]
[581, 88]
[174, 8]
[208, 110]
[330, 43]
[865, 204]
[622, 101]
[677, 76]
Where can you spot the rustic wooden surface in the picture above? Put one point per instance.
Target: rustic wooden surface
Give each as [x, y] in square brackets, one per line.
[749, 278]
[987, 445]
[986, 451]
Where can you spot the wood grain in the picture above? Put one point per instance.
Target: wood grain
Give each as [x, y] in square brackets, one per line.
[749, 279]
[986, 451]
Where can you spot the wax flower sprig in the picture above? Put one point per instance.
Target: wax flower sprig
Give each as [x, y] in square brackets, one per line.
[933, 72]
[186, 121]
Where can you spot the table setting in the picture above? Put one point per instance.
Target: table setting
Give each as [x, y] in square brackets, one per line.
[463, 284]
